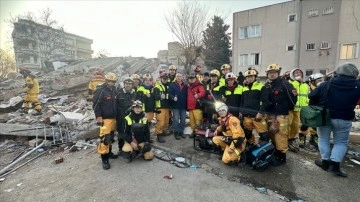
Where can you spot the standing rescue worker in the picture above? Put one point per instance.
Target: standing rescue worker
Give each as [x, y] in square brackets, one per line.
[124, 99]
[162, 105]
[137, 81]
[229, 136]
[96, 80]
[137, 135]
[231, 94]
[213, 94]
[32, 90]
[252, 97]
[104, 105]
[172, 73]
[302, 89]
[281, 99]
[225, 69]
[145, 94]
[195, 94]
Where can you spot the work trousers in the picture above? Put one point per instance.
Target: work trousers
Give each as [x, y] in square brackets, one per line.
[278, 131]
[162, 121]
[196, 117]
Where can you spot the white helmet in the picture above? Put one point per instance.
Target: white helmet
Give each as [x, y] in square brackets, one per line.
[230, 75]
[219, 106]
[315, 76]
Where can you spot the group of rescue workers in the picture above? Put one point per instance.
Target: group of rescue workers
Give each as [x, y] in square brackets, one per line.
[238, 105]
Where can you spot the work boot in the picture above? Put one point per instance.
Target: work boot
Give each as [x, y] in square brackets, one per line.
[127, 156]
[192, 135]
[113, 156]
[177, 135]
[105, 161]
[293, 147]
[314, 141]
[302, 140]
[278, 159]
[182, 135]
[323, 164]
[160, 138]
[335, 168]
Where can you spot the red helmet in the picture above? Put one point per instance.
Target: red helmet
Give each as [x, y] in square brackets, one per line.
[99, 71]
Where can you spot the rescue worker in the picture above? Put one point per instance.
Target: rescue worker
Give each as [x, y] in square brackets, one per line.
[197, 70]
[137, 135]
[96, 80]
[302, 89]
[213, 94]
[32, 90]
[205, 105]
[286, 75]
[104, 105]
[315, 80]
[124, 99]
[253, 118]
[137, 81]
[206, 80]
[225, 69]
[241, 78]
[231, 94]
[145, 94]
[195, 94]
[229, 136]
[162, 105]
[172, 73]
[281, 98]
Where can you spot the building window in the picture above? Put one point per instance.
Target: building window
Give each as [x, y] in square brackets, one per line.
[325, 45]
[243, 60]
[310, 46]
[323, 71]
[243, 33]
[292, 18]
[328, 10]
[349, 51]
[309, 72]
[254, 31]
[254, 59]
[290, 47]
[313, 13]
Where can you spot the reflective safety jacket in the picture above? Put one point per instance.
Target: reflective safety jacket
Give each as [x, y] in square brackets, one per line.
[95, 81]
[136, 128]
[161, 89]
[252, 97]
[142, 95]
[233, 97]
[31, 85]
[302, 94]
[229, 127]
[215, 90]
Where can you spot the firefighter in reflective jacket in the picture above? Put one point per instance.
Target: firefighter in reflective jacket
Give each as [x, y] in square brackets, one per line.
[225, 69]
[137, 135]
[104, 105]
[213, 94]
[231, 94]
[31, 89]
[229, 135]
[252, 97]
[162, 104]
[145, 94]
[96, 80]
[302, 88]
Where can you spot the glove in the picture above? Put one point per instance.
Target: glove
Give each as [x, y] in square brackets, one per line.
[107, 139]
[162, 96]
[99, 121]
[240, 116]
[223, 98]
[175, 98]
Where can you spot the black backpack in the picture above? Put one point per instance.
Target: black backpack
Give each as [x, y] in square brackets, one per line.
[260, 155]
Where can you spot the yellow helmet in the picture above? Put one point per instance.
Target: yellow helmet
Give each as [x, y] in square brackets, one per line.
[172, 67]
[128, 80]
[251, 72]
[273, 67]
[225, 66]
[147, 77]
[111, 77]
[215, 72]
[135, 76]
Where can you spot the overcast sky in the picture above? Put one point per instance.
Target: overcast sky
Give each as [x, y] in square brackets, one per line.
[123, 28]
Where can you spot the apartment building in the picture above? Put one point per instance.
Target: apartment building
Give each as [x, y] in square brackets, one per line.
[315, 36]
[36, 44]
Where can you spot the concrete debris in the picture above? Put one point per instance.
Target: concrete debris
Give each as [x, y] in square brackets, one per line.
[262, 190]
[12, 102]
[58, 160]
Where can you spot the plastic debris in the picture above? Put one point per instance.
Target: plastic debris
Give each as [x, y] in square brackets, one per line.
[262, 190]
[180, 159]
[168, 177]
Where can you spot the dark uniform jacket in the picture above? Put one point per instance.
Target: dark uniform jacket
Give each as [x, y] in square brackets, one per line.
[141, 132]
[104, 102]
[233, 97]
[124, 101]
[252, 97]
[281, 97]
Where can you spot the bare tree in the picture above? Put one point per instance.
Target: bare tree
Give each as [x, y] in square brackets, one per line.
[41, 34]
[7, 62]
[186, 22]
[102, 54]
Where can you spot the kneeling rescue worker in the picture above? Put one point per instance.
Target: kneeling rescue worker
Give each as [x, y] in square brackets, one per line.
[104, 105]
[229, 135]
[137, 134]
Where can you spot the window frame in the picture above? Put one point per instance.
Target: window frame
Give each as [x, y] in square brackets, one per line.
[290, 15]
[355, 51]
[307, 45]
[243, 60]
[325, 48]
[309, 70]
[293, 45]
[313, 13]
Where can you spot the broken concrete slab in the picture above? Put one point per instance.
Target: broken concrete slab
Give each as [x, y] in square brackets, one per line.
[35, 142]
[66, 117]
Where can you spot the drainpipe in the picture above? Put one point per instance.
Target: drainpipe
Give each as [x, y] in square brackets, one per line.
[297, 59]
